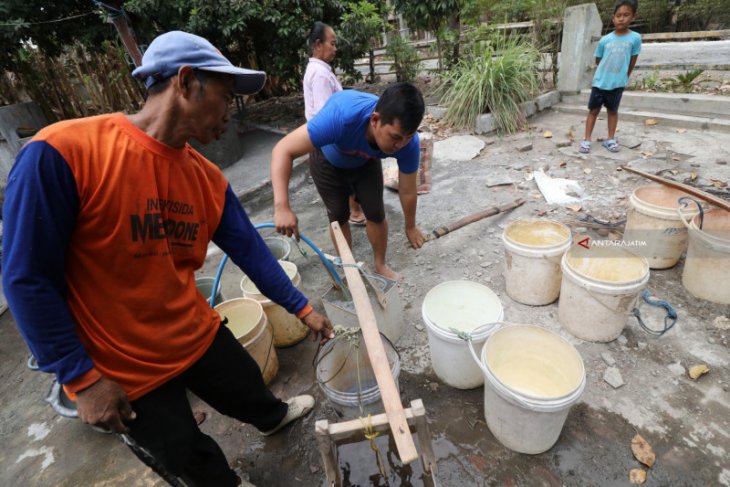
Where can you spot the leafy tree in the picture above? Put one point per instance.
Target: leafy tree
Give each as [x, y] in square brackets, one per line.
[48, 25]
[432, 16]
[361, 23]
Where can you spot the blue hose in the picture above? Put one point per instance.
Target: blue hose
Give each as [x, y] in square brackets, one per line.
[326, 262]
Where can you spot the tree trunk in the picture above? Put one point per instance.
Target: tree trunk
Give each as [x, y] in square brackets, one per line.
[372, 66]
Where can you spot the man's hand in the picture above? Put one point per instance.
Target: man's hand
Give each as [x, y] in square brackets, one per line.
[415, 237]
[320, 325]
[286, 222]
[105, 404]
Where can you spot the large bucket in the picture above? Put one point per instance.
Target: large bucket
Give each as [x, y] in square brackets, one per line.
[279, 246]
[341, 310]
[653, 218]
[288, 329]
[600, 287]
[205, 286]
[467, 307]
[533, 377]
[533, 249]
[706, 272]
[346, 377]
[247, 321]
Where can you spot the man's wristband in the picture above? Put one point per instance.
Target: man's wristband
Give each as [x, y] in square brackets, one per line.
[305, 311]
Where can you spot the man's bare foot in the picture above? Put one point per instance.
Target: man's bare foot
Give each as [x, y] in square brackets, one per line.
[389, 273]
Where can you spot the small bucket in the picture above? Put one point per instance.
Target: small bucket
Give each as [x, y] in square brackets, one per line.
[346, 377]
[655, 217]
[247, 321]
[468, 307]
[600, 287]
[205, 286]
[288, 329]
[533, 377]
[533, 248]
[279, 246]
[706, 273]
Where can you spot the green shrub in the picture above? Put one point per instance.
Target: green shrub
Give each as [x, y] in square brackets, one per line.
[405, 59]
[496, 76]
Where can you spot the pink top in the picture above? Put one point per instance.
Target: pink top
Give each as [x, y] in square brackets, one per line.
[320, 83]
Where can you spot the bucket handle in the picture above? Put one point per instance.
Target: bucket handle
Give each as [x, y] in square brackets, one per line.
[685, 201]
[467, 337]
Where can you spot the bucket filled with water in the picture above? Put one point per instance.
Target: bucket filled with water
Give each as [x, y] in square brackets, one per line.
[346, 377]
[533, 249]
[600, 287]
[288, 329]
[532, 378]
[279, 246]
[706, 273]
[655, 218]
[247, 321]
[453, 308]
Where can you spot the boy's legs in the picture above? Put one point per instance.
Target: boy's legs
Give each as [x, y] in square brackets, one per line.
[612, 124]
[612, 102]
[595, 102]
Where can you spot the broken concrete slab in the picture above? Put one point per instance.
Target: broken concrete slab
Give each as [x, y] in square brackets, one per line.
[524, 147]
[500, 179]
[629, 141]
[458, 148]
[613, 377]
[608, 358]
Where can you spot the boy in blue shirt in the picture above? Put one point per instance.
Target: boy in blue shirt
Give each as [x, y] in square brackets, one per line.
[345, 141]
[616, 57]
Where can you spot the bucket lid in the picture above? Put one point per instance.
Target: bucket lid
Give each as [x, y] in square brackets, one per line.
[533, 362]
[244, 315]
[463, 305]
[537, 232]
[249, 288]
[613, 265]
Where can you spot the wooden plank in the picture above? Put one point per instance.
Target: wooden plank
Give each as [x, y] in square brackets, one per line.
[713, 200]
[672, 36]
[376, 352]
[354, 428]
[327, 450]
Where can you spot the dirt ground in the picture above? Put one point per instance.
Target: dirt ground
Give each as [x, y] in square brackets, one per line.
[686, 422]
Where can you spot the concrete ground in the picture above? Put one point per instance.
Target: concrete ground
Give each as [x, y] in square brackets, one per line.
[686, 422]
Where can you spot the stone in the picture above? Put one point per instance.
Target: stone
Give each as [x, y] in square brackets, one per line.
[529, 108]
[484, 124]
[622, 340]
[546, 100]
[642, 345]
[419, 327]
[613, 377]
[721, 323]
[608, 358]
[458, 148]
[563, 143]
[629, 141]
[676, 368]
[722, 163]
[499, 180]
[525, 147]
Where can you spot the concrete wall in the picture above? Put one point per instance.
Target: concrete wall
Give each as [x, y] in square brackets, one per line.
[581, 31]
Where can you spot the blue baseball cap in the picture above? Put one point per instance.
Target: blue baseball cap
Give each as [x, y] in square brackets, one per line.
[172, 50]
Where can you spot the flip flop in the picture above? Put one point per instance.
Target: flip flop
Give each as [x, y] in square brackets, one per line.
[359, 223]
[611, 145]
[585, 147]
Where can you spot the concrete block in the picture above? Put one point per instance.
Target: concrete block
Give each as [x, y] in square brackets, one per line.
[581, 24]
[546, 100]
[529, 108]
[436, 111]
[485, 124]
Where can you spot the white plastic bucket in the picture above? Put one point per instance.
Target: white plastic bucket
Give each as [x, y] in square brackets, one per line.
[205, 286]
[469, 307]
[706, 273]
[654, 217]
[533, 377]
[288, 329]
[533, 248]
[345, 375]
[279, 246]
[247, 321]
[600, 288]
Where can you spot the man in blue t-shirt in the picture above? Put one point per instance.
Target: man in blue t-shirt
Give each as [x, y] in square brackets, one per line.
[616, 57]
[346, 140]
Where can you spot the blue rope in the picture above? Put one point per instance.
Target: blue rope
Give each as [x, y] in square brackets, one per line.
[669, 321]
[112, 12]
[326, 262]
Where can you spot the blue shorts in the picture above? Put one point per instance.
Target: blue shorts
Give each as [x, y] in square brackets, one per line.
[607, 98]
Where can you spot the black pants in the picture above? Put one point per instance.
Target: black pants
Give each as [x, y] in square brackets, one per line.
[335, 185]
[227, 378]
